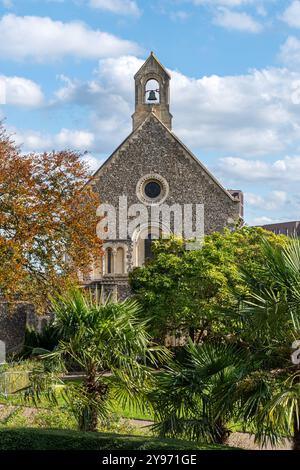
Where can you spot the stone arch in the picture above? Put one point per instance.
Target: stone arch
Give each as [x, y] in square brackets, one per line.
[140, 237]
[108, 261]
[120, 260]
[154, 76]
[115, 258]
[152, 84]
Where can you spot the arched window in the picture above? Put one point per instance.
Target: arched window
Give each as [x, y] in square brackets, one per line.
[109, 261]
[120, 261]
[143, 244]
[148, 247]
[152, 90]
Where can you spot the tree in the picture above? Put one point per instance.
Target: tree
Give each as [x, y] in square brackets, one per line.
[109, 344]
[198, 290]
[253, 379]
[268, 393]
[184, 396]
[47, 221]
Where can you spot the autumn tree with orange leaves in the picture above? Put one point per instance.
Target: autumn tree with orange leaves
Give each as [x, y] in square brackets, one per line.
[47, 222]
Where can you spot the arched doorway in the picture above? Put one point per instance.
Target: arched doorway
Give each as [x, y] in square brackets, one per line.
[148, 253]
[143, 242]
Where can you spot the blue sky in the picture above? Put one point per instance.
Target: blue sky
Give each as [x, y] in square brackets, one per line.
[67, 68]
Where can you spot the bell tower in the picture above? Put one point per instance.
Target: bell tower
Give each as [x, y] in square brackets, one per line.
[152, 93]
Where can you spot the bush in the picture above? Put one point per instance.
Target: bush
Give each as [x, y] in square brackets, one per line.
[47, 339]
[54, 439]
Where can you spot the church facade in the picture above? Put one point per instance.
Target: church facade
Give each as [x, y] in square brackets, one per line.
[153, 168]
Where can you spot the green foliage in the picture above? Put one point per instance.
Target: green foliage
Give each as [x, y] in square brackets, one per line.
[184, 398]
[49, 439]
[47, 339]
[247, 378]
[201, 289]
[98, 338]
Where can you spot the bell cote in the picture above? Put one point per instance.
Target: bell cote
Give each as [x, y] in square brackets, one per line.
[152, 93]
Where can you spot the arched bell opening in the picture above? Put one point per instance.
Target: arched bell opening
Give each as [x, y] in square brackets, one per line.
[152, 92]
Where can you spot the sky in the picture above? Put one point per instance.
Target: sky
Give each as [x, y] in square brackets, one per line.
[66, 73]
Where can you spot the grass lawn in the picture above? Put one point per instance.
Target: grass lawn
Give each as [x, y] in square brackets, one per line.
[54, 439]
[127, 412]
[130, 412]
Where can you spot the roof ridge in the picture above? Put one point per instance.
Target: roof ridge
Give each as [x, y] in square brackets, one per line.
[147, 60]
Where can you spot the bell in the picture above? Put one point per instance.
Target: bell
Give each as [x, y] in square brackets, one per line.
[152, 96]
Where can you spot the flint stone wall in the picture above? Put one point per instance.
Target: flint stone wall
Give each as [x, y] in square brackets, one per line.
[13, 318]
[153, 149]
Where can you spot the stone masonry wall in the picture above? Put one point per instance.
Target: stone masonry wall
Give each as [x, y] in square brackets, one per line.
[152, 149]
[13, 324]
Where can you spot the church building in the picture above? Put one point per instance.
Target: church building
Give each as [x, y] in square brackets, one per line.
[153, 167]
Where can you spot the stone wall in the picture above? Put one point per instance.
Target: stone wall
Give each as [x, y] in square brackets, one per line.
[153, 149]
[13, 318]
[113, 287]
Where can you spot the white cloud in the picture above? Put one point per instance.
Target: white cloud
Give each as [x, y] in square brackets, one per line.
[121, 7]
[109, 96]
[43, 39]
[21, 91]
[290, 52]
[227, 3]
[179, 15]
[292, 14]
[93, 162]
[261, 10]
[238, 21]
[7, 3]
[251, 115]
[263, 220]
[78, 140]
[275, 200]
[81, 140]
[285, 170]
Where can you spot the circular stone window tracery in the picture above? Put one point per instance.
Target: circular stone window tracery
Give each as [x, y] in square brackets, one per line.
[152, 189]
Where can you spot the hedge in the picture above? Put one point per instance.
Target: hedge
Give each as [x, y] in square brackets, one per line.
[57, 439]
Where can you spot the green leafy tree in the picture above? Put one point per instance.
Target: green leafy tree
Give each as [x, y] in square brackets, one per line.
[109, 344]
[252, 380]
[198, 290]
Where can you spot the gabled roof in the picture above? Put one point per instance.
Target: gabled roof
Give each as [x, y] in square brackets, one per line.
[152, 57]
[152, 115]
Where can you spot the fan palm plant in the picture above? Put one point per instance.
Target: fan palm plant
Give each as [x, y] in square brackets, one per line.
[252, 381]
[109, 343]
[182, 400]
[269, 393]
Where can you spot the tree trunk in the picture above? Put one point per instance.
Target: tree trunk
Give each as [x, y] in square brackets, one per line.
[223, 433]
[88, 420]
[89, 416]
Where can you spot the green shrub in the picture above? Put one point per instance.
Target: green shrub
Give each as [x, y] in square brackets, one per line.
[47, 339]
[53, 439]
